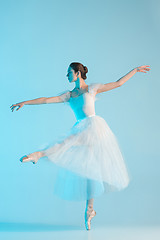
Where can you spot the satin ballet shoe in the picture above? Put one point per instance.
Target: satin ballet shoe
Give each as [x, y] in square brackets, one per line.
[33, 157]
[89, 214]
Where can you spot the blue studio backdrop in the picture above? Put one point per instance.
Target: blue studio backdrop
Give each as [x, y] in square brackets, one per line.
[39, 39]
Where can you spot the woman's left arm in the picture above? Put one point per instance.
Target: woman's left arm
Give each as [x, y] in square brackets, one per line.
[121, 81]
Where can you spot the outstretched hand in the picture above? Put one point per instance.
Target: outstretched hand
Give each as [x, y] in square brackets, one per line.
[19, 105]
[143, 68]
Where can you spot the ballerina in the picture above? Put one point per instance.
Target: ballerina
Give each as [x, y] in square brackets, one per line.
[89, 156]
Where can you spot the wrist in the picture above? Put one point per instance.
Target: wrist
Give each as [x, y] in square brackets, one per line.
[24, 102]
[135, 69]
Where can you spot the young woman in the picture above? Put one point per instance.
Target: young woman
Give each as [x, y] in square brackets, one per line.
[89, 158]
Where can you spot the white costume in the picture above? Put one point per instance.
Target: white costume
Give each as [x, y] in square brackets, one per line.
[89, 157]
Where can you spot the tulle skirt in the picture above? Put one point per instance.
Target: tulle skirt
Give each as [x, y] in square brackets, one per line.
[90, 161]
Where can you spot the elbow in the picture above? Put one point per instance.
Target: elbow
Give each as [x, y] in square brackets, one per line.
[45, 100]
[120, 84]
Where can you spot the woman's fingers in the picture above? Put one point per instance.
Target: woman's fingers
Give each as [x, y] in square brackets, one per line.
[18, 108]
[145, 66]
[13, 107]
[142, 68]
[19, 105]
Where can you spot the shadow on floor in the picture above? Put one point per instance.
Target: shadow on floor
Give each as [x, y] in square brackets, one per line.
[35, 227]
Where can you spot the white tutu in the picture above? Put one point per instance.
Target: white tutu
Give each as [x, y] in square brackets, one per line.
[90, 160]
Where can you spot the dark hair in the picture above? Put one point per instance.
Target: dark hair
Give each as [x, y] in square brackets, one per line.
[79, 67]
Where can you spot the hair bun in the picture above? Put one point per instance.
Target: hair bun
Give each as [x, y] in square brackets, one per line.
[85, 69]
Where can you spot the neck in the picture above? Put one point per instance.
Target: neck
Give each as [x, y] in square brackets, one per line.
[80, 83]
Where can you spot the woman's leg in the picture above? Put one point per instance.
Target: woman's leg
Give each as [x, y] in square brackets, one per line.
[89, 213]
[33, 157]
[38, 154]
[42, 154]
[89, 203]
[90, 192]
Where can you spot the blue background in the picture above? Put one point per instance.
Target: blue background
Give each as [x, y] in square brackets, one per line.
[39, 39]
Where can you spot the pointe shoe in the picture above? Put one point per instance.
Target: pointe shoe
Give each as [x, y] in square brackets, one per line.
[89, 214]
[33, 157]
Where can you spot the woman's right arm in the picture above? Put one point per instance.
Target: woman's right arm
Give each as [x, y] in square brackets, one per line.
[29, 102]
[35, 101]
[42, 100]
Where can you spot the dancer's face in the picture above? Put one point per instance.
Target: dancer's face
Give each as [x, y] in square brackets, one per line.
[72, 76]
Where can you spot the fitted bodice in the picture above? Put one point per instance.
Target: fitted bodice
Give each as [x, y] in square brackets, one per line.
[84, 104]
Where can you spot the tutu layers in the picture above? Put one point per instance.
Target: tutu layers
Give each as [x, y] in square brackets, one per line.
[92, 156]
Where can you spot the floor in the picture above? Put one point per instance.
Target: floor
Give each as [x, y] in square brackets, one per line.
[40, 231]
